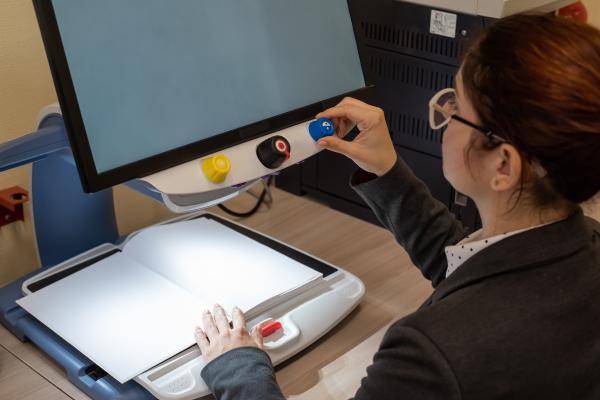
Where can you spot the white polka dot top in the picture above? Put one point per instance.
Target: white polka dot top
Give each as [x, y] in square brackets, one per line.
[465, 249]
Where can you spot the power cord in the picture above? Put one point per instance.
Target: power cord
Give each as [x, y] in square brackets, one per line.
[261, 199]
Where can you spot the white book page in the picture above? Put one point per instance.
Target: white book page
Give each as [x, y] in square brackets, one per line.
[121, 315]
[217, 264]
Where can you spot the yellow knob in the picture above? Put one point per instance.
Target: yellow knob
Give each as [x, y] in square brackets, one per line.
[216, 168]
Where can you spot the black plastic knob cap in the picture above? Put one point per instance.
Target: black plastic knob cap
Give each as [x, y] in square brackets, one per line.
[273, 152]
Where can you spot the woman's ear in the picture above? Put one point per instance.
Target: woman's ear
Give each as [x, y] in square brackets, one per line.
[507, 169]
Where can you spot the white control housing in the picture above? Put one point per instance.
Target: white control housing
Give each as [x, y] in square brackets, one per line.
[188, 178]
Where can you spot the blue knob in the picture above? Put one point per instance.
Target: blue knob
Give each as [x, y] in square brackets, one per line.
[321, 128]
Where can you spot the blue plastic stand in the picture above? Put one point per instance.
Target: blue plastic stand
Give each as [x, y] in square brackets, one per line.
[67, 222]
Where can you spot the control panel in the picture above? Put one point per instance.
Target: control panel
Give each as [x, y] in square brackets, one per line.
[245, 162]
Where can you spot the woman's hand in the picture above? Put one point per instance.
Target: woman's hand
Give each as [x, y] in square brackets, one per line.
[218, 337]
[372, 150]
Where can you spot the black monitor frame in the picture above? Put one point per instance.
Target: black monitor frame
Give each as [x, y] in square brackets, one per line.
[91, 180]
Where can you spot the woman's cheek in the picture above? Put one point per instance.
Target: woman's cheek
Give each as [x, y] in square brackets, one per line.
[452, 160]
[447, 155]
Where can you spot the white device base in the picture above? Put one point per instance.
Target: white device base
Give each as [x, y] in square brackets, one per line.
[305, 319]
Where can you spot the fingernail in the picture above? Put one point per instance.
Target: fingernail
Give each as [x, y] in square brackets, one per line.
[323, 143]
[206, 311]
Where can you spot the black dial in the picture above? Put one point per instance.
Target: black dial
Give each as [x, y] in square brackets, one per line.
[273, 151]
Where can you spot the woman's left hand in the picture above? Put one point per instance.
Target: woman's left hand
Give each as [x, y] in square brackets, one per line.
[218, 337]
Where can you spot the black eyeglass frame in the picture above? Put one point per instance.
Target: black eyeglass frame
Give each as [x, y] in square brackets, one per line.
[488, 134]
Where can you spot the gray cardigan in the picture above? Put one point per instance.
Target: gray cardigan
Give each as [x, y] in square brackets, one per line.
[518, 320]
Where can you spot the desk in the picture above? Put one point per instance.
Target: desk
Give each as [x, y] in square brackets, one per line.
[331, 368]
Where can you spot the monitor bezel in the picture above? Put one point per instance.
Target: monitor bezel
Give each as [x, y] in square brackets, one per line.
[91, 179]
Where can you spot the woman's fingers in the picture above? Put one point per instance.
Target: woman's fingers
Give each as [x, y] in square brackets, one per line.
[355, 102]
[351, 112]
[202, 340]
[343, 126]
[221, 319]
[238, 319]
[218, 337]
[372, 149]
[209, 325]
[257, 336]
[350, 108]
[341, 146]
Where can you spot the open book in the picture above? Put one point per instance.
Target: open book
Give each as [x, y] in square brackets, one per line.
[136, 308]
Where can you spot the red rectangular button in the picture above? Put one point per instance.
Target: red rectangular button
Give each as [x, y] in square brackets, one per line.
[270, 328]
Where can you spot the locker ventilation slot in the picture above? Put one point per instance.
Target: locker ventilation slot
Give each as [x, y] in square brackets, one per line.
[407, 39]
[408, 125]
[390, 68]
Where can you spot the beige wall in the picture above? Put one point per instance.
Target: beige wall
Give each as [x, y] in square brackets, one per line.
[593, 7]
[25, 87]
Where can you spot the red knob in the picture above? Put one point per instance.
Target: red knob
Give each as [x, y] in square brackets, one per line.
[577, 11]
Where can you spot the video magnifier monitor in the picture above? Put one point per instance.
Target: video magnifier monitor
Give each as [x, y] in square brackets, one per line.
[145, 85]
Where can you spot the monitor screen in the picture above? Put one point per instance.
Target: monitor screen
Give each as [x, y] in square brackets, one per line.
[148, 84]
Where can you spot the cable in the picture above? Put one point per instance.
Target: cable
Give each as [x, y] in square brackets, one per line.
[266, 191]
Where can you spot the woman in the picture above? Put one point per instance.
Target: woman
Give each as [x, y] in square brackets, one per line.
[516, 307]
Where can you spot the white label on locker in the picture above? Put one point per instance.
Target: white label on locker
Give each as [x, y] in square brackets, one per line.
[443, 23]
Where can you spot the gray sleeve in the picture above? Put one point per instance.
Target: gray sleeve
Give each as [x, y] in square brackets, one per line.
[245, 373]
[420, 223]
[408, 366]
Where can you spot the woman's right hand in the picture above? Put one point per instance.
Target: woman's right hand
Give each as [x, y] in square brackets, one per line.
[372, 150]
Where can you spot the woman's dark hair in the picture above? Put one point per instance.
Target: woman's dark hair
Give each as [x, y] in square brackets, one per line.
[535, 81]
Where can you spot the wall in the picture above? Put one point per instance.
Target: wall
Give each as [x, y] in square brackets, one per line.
[593, 7]
[25, 87]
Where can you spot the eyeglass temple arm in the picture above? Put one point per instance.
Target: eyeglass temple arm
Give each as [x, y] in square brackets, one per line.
[486, 132]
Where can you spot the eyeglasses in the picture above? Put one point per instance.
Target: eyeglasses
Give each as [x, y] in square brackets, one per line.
[443, 108]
